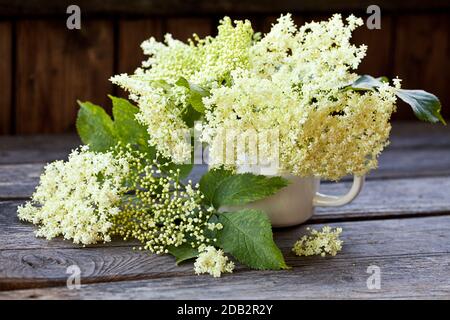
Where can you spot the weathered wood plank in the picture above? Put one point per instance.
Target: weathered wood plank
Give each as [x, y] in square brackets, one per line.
[131, 34]
[19, 181]
[398, 163]
[36, 148]
[390, 198]
[5, 76]
[47, 267]
[180, 7]
[57, 66]
[378, 58]
[413, 255]
[419, 135]
[336, 280]
[421, 54]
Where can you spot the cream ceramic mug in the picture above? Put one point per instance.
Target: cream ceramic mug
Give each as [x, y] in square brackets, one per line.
[295, 203]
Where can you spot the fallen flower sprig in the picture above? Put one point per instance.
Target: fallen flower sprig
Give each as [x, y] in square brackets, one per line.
[320, 243]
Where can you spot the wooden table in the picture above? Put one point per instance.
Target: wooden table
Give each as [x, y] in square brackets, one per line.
[400, 223]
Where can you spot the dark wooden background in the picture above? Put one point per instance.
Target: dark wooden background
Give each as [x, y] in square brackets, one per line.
[45, 68]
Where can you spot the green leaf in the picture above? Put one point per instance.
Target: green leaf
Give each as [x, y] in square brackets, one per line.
[247, 235]
[210, 182]
[95, 127]
[182, 82]
[183, 252]
[190, 115]
[221, 188]
[196, 94]
[128, 130]
[426, 106]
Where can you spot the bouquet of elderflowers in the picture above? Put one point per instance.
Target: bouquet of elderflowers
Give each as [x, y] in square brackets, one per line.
[129, 180]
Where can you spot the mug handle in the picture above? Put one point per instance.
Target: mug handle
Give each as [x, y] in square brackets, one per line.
[323, 200]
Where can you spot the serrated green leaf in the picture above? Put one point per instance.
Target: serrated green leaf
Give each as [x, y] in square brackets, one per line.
[221, 187]
[247, 235]
[127, 129]
[426, 106]
[95, 127]
[244, 188]
[183, 253]
[210, 182]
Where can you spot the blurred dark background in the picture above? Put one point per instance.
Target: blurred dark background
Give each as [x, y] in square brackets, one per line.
[45, 67]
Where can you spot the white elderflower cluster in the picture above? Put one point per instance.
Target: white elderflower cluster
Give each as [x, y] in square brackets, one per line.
[212, 261]
[291, 80]
[321, 242]
[205, 62]
[295, 84]
[77, 198]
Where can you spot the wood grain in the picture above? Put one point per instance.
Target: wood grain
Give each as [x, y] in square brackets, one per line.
[57, 66]
[5, 77]
[36, 148]
[19, 181]
[419, 135]
[180, 7]
[378, 58]
[403, 277]
[421, 55]
[131, 34]
[413, 255]
[183, 28]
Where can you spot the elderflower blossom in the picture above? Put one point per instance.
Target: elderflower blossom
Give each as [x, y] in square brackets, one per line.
[77, 198]
[163, 104]
[162, 212]
[212, 261]
[291, 80]
[295, 85]
[319, 242]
